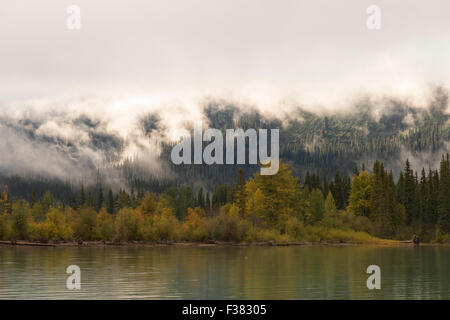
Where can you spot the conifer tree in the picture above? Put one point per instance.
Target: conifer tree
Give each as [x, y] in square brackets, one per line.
[407, 192]
[33, 197]
[444, 196]
[317, 205]
[201, 198]
[207, 203]
[240, 192]
[100, 199]
[82, 199]
[110, 202]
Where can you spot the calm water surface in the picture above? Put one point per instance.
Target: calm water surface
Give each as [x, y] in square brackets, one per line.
[316, 272]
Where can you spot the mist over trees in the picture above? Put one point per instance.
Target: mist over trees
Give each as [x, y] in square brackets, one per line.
[60, 150]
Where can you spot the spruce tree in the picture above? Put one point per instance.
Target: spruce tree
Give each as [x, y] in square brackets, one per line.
[378, 202]
[207, 203]
[444, 196]
[201, 198]
[100, 199]
[240, 192]
[110, 202]
[408, 192]
[82, 200]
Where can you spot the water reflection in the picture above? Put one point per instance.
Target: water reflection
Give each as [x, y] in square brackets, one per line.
[225, 272]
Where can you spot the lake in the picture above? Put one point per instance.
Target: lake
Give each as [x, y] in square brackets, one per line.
[225, 272]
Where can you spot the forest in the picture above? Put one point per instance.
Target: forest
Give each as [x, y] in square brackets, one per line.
[370, 206]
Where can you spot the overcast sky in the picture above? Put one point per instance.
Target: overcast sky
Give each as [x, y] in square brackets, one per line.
[306, 47]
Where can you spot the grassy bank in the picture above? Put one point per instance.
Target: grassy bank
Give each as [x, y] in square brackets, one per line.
[321, 237]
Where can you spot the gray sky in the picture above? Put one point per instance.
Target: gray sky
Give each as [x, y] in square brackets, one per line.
[311, 48]
[132, 58]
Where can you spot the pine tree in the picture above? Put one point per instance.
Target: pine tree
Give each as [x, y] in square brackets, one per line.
[82, 200]
[395, 209]
[73, 202]
[185, 200]
[90, 200]
[355, 170]
[201, 198]
[117, 206]
[207, 203]
[346, 187]
[132, 197]
[434, 195]
[100, 199]
[339, 192]
[110, 202]
[308, 181]
[325, 186]
[317, 205]
[423, 194]
[378, 203]
[407, 192]
[33, 197]
[240, 192]
[444, 196]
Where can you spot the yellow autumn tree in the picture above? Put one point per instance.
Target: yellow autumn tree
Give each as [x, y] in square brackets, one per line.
[278, 194]
[105, 225]
[194, 225]
[360, 193]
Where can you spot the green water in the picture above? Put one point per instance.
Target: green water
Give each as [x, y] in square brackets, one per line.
[316, 272]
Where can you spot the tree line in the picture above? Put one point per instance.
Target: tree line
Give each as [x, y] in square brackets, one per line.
[363, 208]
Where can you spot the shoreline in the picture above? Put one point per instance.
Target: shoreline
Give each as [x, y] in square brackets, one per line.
[91, 244]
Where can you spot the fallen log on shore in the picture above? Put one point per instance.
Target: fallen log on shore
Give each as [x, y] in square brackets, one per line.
[26, 243]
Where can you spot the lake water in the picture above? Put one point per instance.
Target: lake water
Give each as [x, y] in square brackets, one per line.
[298, 272]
